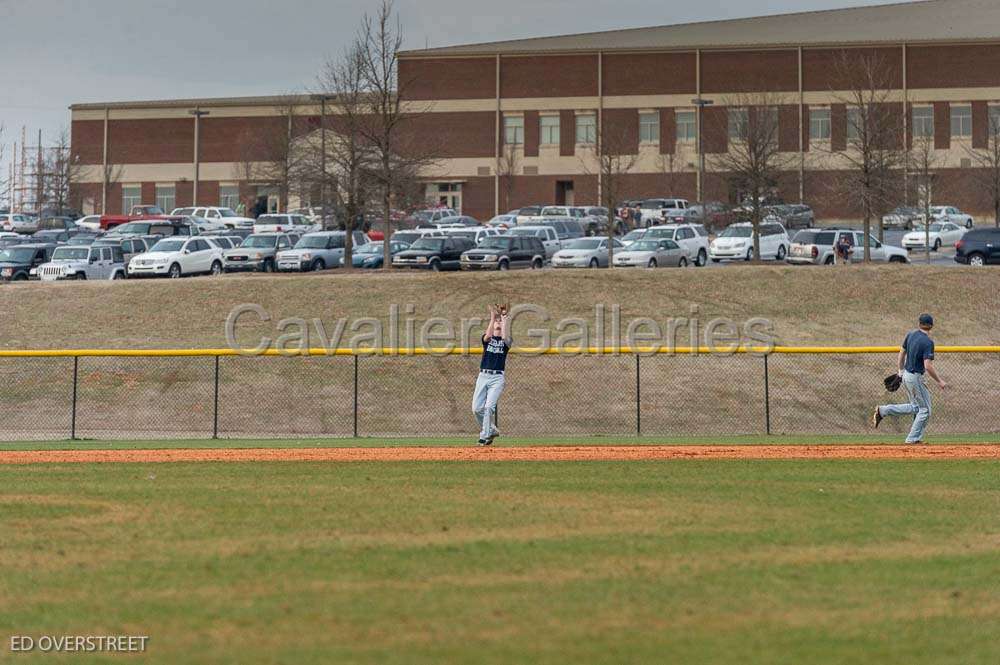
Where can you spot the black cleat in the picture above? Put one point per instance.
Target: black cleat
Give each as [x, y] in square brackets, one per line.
[494, 435]
[485, 442]
[877, 417]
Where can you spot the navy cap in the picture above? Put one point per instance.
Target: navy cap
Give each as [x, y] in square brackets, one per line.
[927, 320]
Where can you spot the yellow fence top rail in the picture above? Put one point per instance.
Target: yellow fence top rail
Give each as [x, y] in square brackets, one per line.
[608, 350]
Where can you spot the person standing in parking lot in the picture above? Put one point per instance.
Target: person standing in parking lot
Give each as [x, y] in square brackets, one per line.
[490, 383]
[916, 358]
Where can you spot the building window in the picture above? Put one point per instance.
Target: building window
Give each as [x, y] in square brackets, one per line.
[166, 197]
[819, 124]
[586, 129]
[923, 121]
[961, 120]
[649, 127]
[738, 124]
[131, 197]
[513, 130]
[229, 196]
[994, 114]
[854, 121]
[687, 126]
[549, 125]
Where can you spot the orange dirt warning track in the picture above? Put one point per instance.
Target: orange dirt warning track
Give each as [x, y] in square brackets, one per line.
[500, 454]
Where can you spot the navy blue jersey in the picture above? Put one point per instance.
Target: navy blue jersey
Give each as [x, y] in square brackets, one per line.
[919, 347]
[494, 354]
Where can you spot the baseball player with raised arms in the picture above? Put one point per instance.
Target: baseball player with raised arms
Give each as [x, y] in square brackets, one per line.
[916, 358]
[490, 383]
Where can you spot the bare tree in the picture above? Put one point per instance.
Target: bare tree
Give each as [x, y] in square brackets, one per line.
[987, 165]
[875, 156]
[399, 158]
[111, 174]
[61, 171]
[343, 163]
[6, 184]
[277, 157]
[611, 158]
[922, 165]
[754, 162]
[508, 164]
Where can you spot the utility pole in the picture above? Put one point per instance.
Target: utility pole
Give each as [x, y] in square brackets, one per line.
[700, 104]
[198, 114]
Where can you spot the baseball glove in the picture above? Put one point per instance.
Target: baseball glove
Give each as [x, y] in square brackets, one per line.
[893, 382]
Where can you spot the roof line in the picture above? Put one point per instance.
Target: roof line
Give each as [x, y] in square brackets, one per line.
[594, 33]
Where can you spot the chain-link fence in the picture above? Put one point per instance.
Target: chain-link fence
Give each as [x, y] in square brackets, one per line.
[164, 396]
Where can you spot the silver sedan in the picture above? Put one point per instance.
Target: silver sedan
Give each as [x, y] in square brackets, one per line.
[584, 253]
[653, 254]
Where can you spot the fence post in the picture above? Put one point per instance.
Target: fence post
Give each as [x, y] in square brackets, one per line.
[767, 398]
[638, 394]
[72, 419]
[215, 405]
[355, 395]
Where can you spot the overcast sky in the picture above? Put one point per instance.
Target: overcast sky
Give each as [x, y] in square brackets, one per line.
[58, 52]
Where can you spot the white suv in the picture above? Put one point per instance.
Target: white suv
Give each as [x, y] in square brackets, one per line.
[653, 211]
[213, 214]
[692, 237]
[83, 262]
[736, 243]
[176, 257]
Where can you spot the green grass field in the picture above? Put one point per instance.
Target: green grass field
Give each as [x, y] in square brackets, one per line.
[549, 562]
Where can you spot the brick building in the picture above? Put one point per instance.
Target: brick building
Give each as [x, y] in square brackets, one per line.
[513, 123]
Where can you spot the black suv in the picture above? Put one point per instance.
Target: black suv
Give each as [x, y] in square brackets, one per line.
[504, 253]
[979, 247]
[433, 254]
[16, 262]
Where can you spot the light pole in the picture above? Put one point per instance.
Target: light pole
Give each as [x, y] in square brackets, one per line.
[322, 99]
[700, 104]
[197, 113]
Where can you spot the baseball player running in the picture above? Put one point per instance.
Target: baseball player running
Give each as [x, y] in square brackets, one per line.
[490, 383]
[916, 357]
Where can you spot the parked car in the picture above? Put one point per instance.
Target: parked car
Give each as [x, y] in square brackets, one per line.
[86, 238]
[65, 224]
[903, 217]
[433, 253]
[177, 257]
[527, 214]
[736, 243]
[654, 211]
[18, 223]
[370, 255]
[18, 263]
[567, 228]
[154, 227]
[257, 253]
[215, 214]
[146, 210]
[318, 251]
[816, 246]
[939, 234]
[505, 252]
[51, 235]
[791, 216]
[223, 242]
[632, 236]
[277, 223]
[653, 253]
[595, 221]
[692, 237]
[712, 214]
[585, 253]
[129, 247]
[8, 238]
[83, 262]
[422, 217]
[449, 222]
[547, 234]
[949, 214]
[503, 221]
[474, 233]
[979, 247]
[412, 235]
